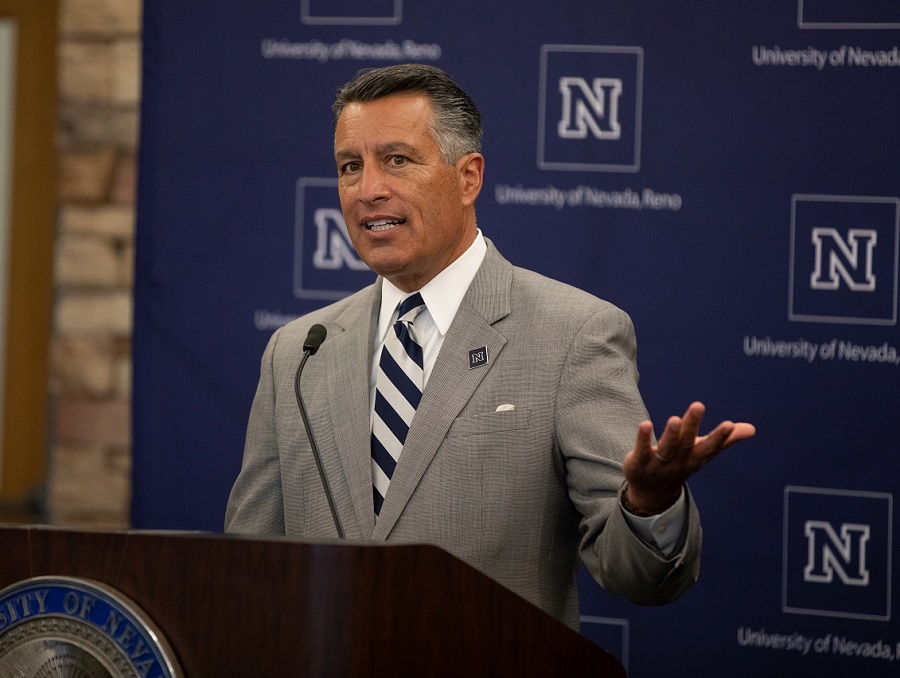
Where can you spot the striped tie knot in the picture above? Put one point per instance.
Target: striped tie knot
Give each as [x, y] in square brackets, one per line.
[410, 307]
[406, 332]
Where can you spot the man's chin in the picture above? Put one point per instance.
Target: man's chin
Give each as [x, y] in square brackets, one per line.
[384, 264]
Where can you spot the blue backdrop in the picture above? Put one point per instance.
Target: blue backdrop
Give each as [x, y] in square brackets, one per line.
[725, 172]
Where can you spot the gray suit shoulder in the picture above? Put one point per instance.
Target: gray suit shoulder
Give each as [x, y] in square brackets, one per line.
[553, 297]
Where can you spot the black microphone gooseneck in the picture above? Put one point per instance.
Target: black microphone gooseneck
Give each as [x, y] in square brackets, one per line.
[314, 339]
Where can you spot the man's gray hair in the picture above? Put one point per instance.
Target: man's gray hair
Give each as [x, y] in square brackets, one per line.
[455, 123]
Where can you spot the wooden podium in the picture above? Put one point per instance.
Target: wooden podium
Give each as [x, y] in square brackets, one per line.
[234, 606]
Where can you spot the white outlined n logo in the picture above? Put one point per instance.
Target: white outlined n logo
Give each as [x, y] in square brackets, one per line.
[333, 246]
[848, 260]
[589, 109]
[326, 265]
[829, 553]
[844, 259]
[593, 108]
[837, 553]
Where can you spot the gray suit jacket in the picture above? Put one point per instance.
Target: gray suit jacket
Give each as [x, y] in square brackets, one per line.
[522, 494]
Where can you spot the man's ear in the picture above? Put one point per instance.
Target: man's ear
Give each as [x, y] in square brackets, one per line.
[471, 175]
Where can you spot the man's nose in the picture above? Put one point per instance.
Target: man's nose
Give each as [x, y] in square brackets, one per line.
[373, 184]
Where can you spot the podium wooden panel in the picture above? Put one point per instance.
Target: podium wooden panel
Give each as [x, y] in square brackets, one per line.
[234, 606]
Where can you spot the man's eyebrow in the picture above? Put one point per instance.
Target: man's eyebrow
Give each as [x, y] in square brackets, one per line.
[397, 146]
[390, 147]
[345, 155]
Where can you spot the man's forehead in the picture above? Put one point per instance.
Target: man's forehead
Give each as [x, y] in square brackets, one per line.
[410, 106]
[396, 98]
[396, 122]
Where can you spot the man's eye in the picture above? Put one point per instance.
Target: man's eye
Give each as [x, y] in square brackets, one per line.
[397, 160]
[349, 167]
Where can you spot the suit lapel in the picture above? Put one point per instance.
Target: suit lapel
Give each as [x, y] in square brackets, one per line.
[349, 367]
[452, 381]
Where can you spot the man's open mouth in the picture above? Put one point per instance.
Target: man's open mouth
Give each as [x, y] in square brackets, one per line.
[383, 224]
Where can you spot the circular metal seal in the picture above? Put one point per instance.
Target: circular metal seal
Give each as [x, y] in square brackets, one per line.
[67, 626]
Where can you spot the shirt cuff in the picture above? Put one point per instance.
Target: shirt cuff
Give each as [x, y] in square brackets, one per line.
[663, 530]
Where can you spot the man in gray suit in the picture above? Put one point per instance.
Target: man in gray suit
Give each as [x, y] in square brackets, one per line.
[529, 450]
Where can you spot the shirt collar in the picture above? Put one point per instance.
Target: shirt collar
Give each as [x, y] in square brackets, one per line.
[442, 294]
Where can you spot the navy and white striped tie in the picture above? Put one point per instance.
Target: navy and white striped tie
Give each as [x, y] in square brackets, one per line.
[398, 389]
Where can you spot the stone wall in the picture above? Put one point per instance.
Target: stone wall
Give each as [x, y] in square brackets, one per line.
[90, 372]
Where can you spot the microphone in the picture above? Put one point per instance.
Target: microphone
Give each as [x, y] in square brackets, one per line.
[314, 339]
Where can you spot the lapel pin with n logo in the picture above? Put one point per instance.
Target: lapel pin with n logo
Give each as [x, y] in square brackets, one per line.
[478, 357]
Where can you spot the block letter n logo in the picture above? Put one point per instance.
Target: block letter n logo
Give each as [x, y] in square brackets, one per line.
[829, 553]
[593, 108]
[333, 246]
[848, 260]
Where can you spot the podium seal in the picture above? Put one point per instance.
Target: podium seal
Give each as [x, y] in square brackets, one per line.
[67, 626]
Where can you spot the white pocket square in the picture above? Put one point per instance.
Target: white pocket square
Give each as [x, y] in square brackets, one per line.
[505, 408]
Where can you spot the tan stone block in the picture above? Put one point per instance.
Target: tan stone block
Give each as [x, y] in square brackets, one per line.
[83, 123]
[122, 347]
[83, 365]
[124, 181]
[126, 266]
[110, 312]
[87, 260]
[113, 221]
[90, 485]
[86, 71]
[122, 377]
[85, 175]
[126, 71]
[122, 366]
[82, 420]
[104, 17]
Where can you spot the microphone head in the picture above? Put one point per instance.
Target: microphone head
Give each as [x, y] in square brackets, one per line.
[314, 338]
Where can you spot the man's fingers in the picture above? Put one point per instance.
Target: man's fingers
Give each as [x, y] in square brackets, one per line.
[643, 446]
[670, 441]
[723, 436]
[680, 434]
[672, 431]
[680, 439]
[741, 430]
[690, 424]
[715, 441]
